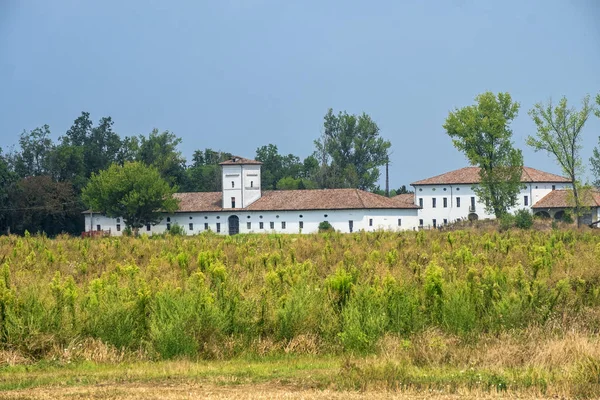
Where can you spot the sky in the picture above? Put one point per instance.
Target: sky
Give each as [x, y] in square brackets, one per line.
[238, 74]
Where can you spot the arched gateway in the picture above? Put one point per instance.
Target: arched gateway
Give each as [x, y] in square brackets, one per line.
[234, 225]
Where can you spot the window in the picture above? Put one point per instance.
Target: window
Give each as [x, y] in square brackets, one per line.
[191, 226]
[168, 219]
[458, 202]
[218, 227]
[261, 225]
[445, 201]
[98, 228]
[118, 220]
[433, 202]
[282, 224]
[473, 203]
[370, 221]
[351, 226]
[420, 222]
[301, 224]
[445, 221]
[248, 225]
[232, 184]
[399, 221]
[148, 227]
[251, 183]
[421, 202]
[553, 187]
[526, 200]
[434, 223]
[233, 202]
[118, 227]
[206, 226]
[168, 227]
[272, 225]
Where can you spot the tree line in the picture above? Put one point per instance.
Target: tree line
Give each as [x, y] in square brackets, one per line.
[42, 181]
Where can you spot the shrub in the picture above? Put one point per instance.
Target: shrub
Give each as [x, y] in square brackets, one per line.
[325, 226]
[507, 221]
[523, 219]
[176, 230]
[568, 217]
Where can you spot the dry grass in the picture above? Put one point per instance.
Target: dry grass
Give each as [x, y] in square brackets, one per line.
[176, 391]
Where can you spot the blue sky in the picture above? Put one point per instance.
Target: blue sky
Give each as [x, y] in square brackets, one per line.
[237, 74]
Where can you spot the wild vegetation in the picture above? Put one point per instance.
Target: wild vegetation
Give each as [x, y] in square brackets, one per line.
[482, 310]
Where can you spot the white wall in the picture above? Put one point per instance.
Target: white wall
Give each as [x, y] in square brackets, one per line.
[251, 189]
[339, 219]
[533, 191]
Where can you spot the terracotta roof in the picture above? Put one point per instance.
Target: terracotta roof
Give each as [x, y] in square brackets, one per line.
[405, 199]
[469, 175]
[564, 199]
[236, 160]
[282, 200]
[199, 201]
[323, 199]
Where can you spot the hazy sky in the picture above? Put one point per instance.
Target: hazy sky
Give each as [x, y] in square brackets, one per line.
[237, 74]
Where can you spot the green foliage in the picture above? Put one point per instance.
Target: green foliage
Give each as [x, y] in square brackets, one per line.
[325, 226]
[350, 151]
[177, 230]
[523, 219]
[482, 131]
[133, 191]
[559, 130]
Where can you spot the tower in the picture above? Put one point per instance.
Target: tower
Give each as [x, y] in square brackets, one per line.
[241, 182]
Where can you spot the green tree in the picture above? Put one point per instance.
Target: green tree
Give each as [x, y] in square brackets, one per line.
[33, 159]
[41, 204]
[204, 175]
[558, 133]
[133, 191]
[595, 159]
[350, 151]
[160, 151]
[277, 167]
[482, 132]
[7, 179]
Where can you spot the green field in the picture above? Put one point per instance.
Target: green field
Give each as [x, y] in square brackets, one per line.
[472, 311]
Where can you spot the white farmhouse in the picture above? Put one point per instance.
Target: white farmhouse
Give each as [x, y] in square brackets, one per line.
[241, 207]
[449, 197]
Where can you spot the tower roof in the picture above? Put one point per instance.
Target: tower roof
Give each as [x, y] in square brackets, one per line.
[236, 160]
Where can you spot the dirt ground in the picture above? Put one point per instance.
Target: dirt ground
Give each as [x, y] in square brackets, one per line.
[177, 391]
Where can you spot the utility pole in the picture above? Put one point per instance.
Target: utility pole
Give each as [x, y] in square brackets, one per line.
[387, 177]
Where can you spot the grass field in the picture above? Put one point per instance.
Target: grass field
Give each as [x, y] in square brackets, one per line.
[289, 316]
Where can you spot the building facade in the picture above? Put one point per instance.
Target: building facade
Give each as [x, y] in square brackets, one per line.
[242, 207]
[449, 197]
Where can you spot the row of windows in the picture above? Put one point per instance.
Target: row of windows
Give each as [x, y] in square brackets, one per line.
[434, 222]
[445, 202]
[260, 225]
[233, 184]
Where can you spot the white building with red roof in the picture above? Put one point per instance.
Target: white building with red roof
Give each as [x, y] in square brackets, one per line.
[450, 196]
[242, 207]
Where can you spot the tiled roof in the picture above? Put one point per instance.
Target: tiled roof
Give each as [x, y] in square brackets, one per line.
[470, 175]
[405, 199]
[236, 160]
[199, 201]
[282, 200]
[564, 199]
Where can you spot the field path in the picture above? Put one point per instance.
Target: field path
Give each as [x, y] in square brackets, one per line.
[185, 390]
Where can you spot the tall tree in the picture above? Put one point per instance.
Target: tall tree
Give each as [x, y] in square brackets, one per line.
[277, 167]
[595, 159]
[160, 151]
[7, 179]
[42, 205]
[204, 175]
[558, 133]
[350, 151]
[482, 132]
[133, 191]
[33, 159]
